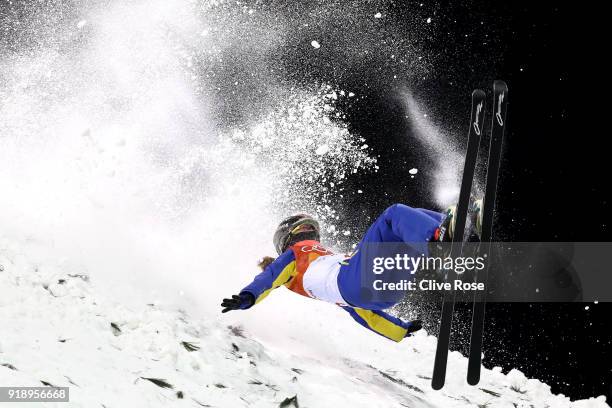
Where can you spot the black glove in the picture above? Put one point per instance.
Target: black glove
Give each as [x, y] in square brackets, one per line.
[241, 301]
[415, 325]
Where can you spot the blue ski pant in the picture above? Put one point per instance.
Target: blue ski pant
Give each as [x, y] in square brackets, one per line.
[398, 223]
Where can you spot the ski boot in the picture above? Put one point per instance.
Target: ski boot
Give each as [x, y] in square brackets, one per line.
[475, 214]
[446, 230]
[439, 245]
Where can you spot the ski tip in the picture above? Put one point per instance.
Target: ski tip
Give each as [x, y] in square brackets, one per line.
[478, 93]
[500, 85]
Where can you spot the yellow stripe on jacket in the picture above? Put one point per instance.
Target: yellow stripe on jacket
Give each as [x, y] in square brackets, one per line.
[381, 325]
[288, 269]
[286, 274]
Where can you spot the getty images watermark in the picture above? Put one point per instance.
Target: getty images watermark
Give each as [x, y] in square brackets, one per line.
[501, 271]
[409, 265]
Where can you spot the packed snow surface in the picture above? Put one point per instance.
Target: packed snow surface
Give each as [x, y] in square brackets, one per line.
[59, 327]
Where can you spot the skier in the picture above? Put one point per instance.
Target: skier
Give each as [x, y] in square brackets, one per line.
[306, 267]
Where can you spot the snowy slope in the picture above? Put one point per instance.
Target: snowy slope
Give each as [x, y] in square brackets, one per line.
[59, 327]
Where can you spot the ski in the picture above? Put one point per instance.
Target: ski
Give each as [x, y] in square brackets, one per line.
[446, 317]
[500, 103]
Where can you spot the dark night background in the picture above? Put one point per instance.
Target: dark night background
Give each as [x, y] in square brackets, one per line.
[552, 186]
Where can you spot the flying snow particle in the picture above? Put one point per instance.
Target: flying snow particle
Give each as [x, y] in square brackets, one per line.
[377, 15]
[346, 233]
[359, 191]
[321, 150]
[413, 171]
[315, 44]
[81, 24]
[428, 20]
[586, 308]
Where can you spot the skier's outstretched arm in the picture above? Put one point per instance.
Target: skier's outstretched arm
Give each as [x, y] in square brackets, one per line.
[274, 275]
[383, 323]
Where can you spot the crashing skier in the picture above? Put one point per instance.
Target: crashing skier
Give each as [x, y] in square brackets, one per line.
[306, 267]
